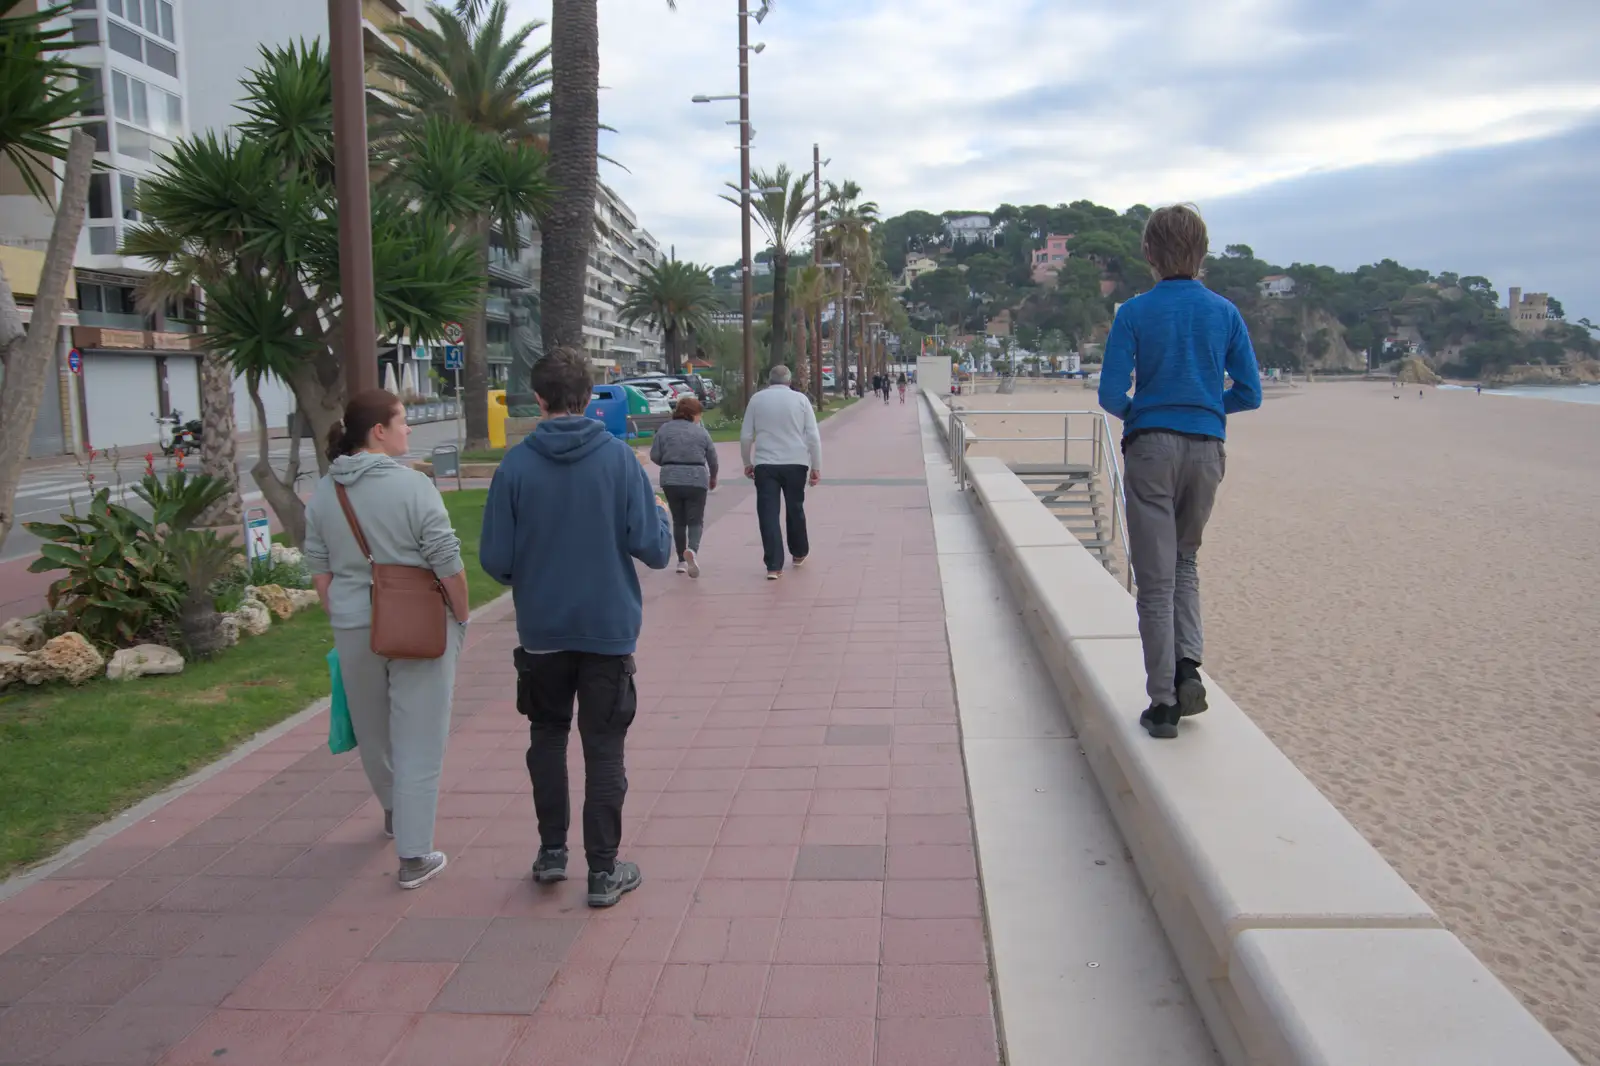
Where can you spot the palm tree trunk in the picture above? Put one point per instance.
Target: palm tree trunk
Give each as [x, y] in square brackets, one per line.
[780, 306]
[219, 446]
[674, 363]
[568, 230]
[28, 359]
[802, 351]
[475, 385]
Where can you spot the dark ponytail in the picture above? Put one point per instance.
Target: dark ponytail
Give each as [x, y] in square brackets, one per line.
[374, 407]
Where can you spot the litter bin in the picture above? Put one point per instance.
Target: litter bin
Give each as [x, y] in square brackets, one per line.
[608, 405]
[498, 413]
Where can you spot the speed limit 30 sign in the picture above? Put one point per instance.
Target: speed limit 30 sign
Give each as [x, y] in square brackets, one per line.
[454, 333]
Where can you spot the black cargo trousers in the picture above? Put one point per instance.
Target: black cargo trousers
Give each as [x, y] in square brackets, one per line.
[607, 699]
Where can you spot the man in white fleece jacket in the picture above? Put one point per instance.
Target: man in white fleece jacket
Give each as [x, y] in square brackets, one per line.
[782, 451]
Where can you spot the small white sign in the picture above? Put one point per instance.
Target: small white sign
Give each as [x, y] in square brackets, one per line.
[258, 537]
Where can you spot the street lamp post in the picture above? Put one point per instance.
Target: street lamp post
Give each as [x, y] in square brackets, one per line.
[816, 257]
[358, 314]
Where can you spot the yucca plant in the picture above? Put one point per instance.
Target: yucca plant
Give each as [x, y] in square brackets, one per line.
[200, 558]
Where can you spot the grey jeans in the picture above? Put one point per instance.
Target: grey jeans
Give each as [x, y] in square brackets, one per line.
[400, 709]
[1171, 485]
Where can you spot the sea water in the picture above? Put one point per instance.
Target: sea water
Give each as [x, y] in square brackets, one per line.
[1564, 393]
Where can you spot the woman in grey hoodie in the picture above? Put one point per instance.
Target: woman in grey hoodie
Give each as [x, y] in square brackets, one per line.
[688, 460]
[400, 709]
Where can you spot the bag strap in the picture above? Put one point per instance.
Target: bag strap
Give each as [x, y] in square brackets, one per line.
[355, 526]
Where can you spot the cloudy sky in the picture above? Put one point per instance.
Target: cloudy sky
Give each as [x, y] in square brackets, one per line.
[1450, 134]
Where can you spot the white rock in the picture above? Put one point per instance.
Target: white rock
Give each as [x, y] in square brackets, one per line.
[300, 599]
[253, 618]
[143, 661]
[68, 658]
[229, 630]
[26, 634]
[283, 555]
[12, 660]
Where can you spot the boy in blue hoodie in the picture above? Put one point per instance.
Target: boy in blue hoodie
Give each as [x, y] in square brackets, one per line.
[569, 511]
[1172, 345]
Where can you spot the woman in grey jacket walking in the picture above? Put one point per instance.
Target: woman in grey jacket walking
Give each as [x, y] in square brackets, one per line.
[400, 708]
[688, 460]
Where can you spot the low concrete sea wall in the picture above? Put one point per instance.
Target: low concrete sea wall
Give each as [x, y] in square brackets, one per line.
[1300, 944]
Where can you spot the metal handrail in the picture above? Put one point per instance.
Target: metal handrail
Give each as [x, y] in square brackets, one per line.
[1106, 458]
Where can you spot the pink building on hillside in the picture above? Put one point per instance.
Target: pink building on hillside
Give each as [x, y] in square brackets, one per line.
[1048, 260]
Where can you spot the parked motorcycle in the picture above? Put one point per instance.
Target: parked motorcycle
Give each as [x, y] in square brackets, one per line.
[175, 435]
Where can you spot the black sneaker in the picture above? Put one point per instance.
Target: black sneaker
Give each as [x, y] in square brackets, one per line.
[1191, 690]
[1160, 721]
[605, 889]
[550, 866]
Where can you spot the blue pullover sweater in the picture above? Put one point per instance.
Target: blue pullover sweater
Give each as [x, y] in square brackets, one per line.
[569, 510]
[1171, 346]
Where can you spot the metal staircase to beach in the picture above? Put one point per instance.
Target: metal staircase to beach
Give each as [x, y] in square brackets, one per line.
[1074, 495]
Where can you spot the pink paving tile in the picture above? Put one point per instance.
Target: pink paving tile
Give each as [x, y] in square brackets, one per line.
[285, 985]
[826, 991]
[559, 1040]
[761, 829]
[398, 987]
[846, 829]
[672, 832]
[833, 778]
[927, 801]
[813, 1042]
[239, 1038]
[950, 898]
[127, 1035]
[347, 1039]
[935, 991]
[458, 1040]
[670, 863]
[937, 1042]
[692, 804]
[709, 940]
[723, 989]
[828, 941]
[835, 899]
[685, 780]
[912, 941]
[932, 861]
[850, 801]
[588, 989]
[766, 862]
[930, 829]
[793, 757]
[669, 1040]
[779, 778]
[52, 898]
[770, 802]
[715, 898]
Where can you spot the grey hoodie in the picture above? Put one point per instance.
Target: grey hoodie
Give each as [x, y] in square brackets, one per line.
[402, 516]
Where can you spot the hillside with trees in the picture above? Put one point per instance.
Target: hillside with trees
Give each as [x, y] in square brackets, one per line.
[1320, 319]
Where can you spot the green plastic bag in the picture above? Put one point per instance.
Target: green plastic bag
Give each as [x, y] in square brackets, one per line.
[341, 734]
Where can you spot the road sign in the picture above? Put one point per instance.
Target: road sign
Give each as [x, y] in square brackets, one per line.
[454, 333]
[75, 361]
[455, 357]
[257, 534]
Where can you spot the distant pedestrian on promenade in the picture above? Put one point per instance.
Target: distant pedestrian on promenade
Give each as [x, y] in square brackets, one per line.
[902, 386]
[1172, 346]
[782, 451]
[569, 510]
[371, 509]
[688, 460]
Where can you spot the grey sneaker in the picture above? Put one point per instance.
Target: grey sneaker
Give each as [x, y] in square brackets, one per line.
[550, 865]
[605, 889]
[414, 872]
[691, 564]
[388, 824]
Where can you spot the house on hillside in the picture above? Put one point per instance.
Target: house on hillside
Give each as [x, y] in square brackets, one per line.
[1276, 286]
[969, 229]
[1049, 259]
[917, 264]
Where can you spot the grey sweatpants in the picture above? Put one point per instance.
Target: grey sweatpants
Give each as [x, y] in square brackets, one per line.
[1171, 485]
[400, 709]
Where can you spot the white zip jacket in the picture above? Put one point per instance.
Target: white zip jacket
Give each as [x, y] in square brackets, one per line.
[782, 428]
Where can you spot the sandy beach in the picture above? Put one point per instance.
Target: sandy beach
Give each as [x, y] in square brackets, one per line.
[1405, 594]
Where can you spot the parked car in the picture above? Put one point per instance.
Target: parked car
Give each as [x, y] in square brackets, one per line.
[655, 393]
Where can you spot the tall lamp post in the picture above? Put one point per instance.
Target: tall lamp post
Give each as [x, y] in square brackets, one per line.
[817, 163]
[748, 363]
[358, 317]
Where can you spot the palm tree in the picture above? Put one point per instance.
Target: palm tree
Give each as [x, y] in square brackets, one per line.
[475, 74]
[810, 290]
[675, 297]
[568, 228]
[780, 213]
[40, 98]
[847, 236]
[248, 219]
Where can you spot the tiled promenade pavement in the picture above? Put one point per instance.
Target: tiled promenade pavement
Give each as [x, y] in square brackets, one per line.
[797, 804]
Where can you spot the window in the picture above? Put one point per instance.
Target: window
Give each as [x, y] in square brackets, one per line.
[97, 132]
[166, 22]
[89, 298]
[115, 7]
[150, 20]
[85, 32]
[125, 41]
[100, 195]
[130, 197]
[146, 106]
[141, 103]
[103, 240]
[163, 59]
[83, 5]
[135, 143]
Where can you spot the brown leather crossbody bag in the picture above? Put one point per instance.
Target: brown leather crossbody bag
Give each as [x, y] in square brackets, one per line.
[409, 617]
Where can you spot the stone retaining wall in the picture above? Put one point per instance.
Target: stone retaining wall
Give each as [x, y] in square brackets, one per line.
[1301, 945]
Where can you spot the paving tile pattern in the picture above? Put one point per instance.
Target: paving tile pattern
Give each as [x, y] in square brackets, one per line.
[797, 802]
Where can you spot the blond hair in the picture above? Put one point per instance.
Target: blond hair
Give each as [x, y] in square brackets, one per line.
[1175, 241]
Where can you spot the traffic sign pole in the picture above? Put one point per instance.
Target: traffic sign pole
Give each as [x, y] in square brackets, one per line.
[460, 432]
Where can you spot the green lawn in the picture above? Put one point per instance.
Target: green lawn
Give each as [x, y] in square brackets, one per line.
[72, 757]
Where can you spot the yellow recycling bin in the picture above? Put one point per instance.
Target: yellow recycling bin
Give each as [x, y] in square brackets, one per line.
[498, 413]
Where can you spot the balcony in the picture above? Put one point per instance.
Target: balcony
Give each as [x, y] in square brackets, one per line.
[113, 320]
[107, 337]
[498, 308]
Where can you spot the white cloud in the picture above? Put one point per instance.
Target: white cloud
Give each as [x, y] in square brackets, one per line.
[943, 104]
